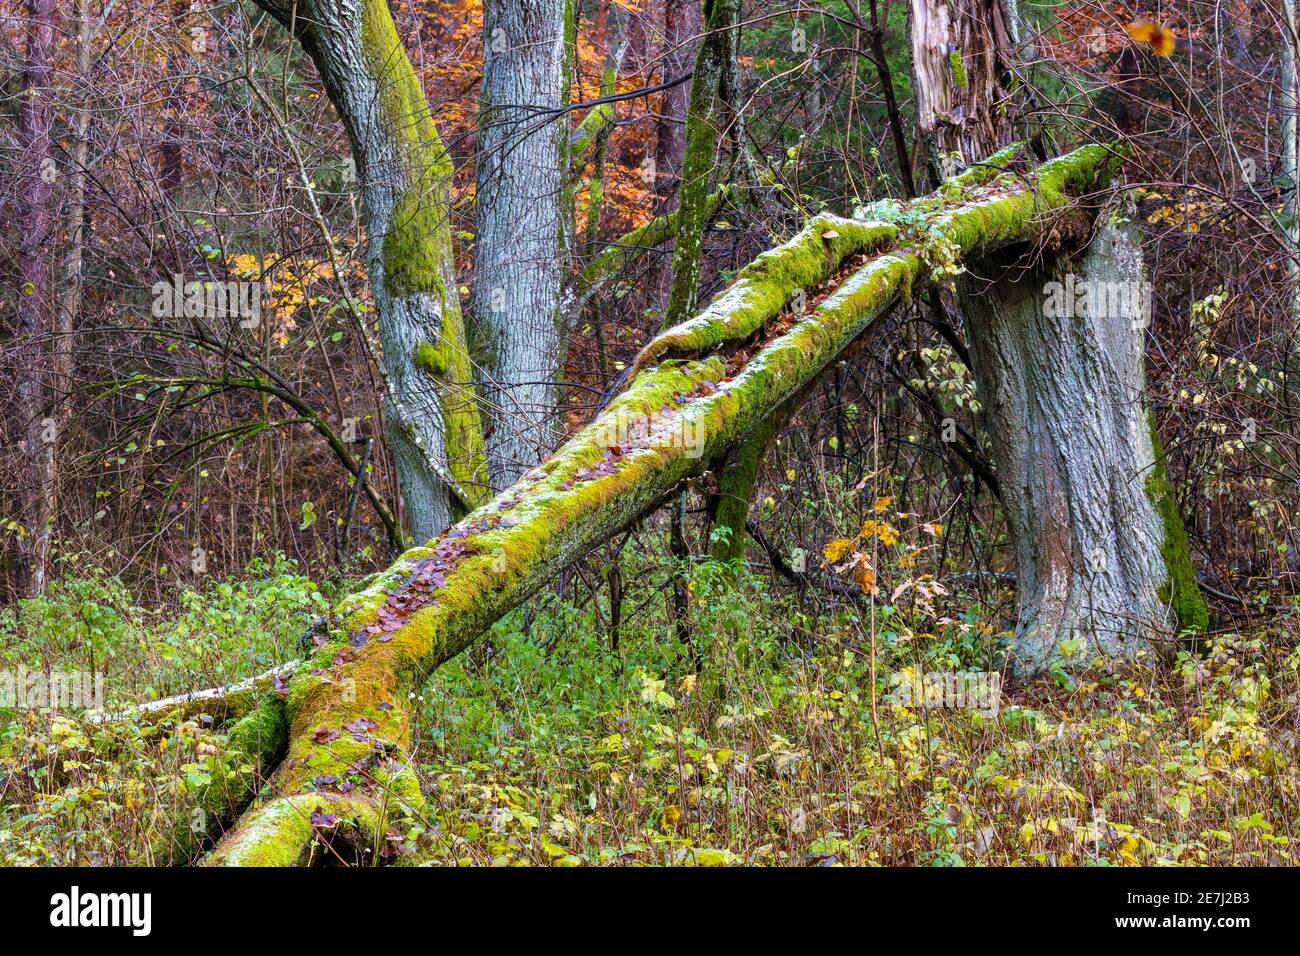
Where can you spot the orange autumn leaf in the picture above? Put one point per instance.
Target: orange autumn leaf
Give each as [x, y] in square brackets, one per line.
[1160, 39]
[865, 575]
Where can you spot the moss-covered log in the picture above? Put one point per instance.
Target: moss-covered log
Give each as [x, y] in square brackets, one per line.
[251, 748]
[695, 396]
[229, 702]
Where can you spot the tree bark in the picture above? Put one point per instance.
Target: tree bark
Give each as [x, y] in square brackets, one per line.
[962, 56]
[683, 410]
[681, 28]
[1101, 554]
[36, 301]
[405, 173]
[736, 480]
[721, 19]
[1290, 150]
[1101, 550]
[524, 225]
[69, 296]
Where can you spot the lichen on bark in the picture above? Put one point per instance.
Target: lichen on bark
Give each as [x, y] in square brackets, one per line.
[405, 176]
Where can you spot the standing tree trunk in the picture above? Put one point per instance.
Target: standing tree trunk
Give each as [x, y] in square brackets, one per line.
[78, 157]
[721, 19]
[1102, 557]
[171, 150]
[962, 56]
[69, 298]
[681, 27]
[1290, 148]
[1101, 550]
[736, 480]
[36, 299]
[523, 225]
[405, 174]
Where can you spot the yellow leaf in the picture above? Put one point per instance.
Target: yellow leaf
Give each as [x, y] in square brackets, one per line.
[1160, 39]
[836, 550]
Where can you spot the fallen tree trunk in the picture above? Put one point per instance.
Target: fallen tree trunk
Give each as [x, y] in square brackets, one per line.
[698, 390]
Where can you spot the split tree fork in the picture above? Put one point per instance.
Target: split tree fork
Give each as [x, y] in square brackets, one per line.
[337, 732]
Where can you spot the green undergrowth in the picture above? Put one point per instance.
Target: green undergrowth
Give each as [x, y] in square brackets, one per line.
[762, 740]
[74, 791]
[557, 750]
[209, 632]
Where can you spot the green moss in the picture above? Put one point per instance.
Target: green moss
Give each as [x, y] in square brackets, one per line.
[736, 489]
[597, 120]
[262, 733]
[411, 252]
[416, 250]
[1180, 592]
[275, 835]
[765, 286]
[448, 364]
[698, 159]
[653, 234]
[958, 69]
[253, 747]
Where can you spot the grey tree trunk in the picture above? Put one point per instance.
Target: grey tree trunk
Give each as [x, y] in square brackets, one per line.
[77, 180]
[405, 173]
[1290, 149]
[523, 225]
[1101, 552]
[36, 301]
[78, 157]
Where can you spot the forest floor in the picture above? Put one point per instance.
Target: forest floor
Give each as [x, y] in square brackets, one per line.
[549, 747]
